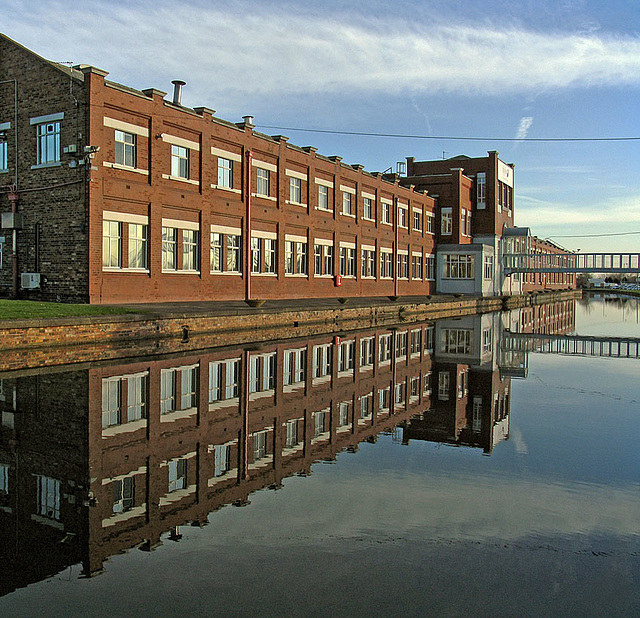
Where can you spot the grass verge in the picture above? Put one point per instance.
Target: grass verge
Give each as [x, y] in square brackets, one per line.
[26, 309]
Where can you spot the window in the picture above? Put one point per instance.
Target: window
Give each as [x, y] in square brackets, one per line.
[416, 342]
[48, 498]
[346, 356]
[177, 474]
[125, 149]
[111, 402]
[430, 267]
[366, 406]
[428, 338]
[292, 433]
[386, 213]
[348, 261]
[443, 386]
[263, 255]
[426, 384]
[323, 198]
[367, 208]
[368, 262]
[4, 161]
[216, 252]
[430, 223]
[386, 264]
[416, 267]
[402, 216]
[481, 190]
[256, 255]
[124, 491]
[167, 391]
[221, 459]
[446, 222]
[403, 266]
[417, 220]
[367, 352]
[111, 244]
[295, 257]
[169, 248]
[456, 341]
[322, 360]
[259, 445]
[401, 344]
[294, 365]
[476, 422]
[295, 190]
[190, 250]
[137, 245]
[262, 182]
[114, 410]
[262, 372]
[319, 423]
[487, 343]
[459, 266]
[384, 399]
[488, 267]
[347, 203]
[224, 379]
[343, 413]
[188, 388]
[225, 173]
[179, 161]
[323, 260]
[384, 348]
[233, 253]
[48, 143]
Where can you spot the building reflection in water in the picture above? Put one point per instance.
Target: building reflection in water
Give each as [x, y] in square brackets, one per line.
[98, 460]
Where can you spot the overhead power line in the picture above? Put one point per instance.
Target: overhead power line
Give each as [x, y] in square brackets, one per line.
[594, 235]
[456, 137]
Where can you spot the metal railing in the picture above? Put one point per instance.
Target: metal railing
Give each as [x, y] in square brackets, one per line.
[571, 263]
[572, 345]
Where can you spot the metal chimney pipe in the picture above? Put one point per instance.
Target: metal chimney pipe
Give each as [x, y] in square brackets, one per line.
[177, 91]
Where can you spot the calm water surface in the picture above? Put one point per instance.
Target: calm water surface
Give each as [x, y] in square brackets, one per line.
[544, 520]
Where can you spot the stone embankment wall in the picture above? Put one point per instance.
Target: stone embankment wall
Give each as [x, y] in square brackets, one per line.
[40, 343]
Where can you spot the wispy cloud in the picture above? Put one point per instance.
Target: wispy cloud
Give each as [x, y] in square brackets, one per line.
[523, 127]
[255, 48]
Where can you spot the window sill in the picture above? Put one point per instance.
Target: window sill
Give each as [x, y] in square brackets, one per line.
[368, 219]
[298, 204]
[226, 272]
[180, 179]
[3, 171]
[180, 272]
[41, 166]
[274, 275]
[126, 168]
[297, 275]
[264, 197]
[348, 214]
[116, 269]
[324, 209]
[229, 189]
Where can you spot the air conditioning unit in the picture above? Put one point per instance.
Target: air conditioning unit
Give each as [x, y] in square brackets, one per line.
[30, 281]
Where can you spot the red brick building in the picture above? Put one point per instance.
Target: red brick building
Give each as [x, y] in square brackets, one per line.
[112, 195]
[125, 196]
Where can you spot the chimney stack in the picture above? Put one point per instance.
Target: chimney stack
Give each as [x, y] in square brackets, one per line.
[177, 91]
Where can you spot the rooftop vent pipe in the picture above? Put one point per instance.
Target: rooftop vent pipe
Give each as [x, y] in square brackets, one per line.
[177, 91]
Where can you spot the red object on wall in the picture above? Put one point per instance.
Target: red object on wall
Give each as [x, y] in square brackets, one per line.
[338, 280]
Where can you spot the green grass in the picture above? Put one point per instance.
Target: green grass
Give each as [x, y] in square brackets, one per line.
[25, 309]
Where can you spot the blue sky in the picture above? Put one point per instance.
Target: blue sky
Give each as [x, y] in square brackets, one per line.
[473, 68]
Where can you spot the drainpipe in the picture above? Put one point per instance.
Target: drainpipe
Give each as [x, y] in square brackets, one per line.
[247, 242]
[396, 254]
[13, 199]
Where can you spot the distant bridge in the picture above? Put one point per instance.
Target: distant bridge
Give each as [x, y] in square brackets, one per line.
[572, 345]
[571, 263]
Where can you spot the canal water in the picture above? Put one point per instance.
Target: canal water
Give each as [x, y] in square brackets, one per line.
[463, 467]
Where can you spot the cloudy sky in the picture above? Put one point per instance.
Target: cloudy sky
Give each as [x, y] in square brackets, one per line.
[504, 71]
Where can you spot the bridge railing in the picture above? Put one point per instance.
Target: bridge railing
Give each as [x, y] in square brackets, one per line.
[571, 262]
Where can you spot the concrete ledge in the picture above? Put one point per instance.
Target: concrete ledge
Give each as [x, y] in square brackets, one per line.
[42, 343]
